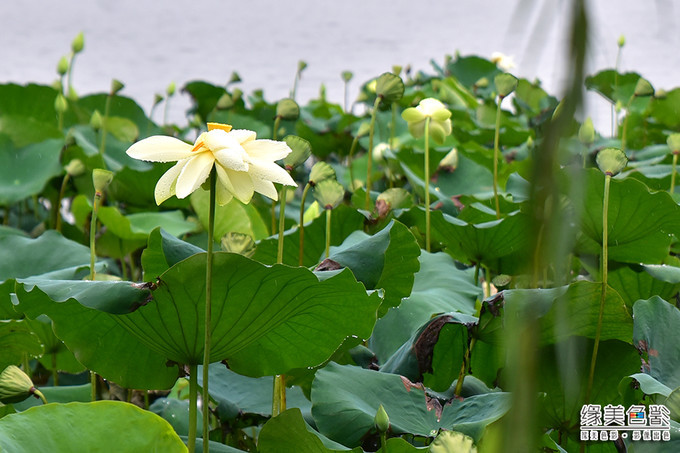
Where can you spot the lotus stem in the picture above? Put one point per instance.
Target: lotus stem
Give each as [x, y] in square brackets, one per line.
[393, 125]
[57, 205]
[107, 108]
[383, 442]
[302, 224]
[193, 407]
[496, 152]
[40, 395]
[282, 227]
[279, 390]
[675, 163]
[369, 167]
[349, 163]
[55, 372]
[603, 294]
[328, 232]
[208, 312]
[427, 183]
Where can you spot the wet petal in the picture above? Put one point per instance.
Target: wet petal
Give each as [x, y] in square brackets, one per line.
[233, 157]
[222, 194]
[165, 187]
[269, 171]
[242, 135]
[267, 149]
[217, 139]
[242, 185]
[194, 173]
[266, 188]
[160, 148]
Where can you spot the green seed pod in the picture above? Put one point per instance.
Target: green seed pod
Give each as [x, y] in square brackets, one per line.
[301, 150]
[346, 76]
[389, 87]
[329, 193]
[505, 84]
[302, 65]
[287, 109]
[234, 78]
[116, 86]
[15, 385]
[101, 179]
[586, 133]
[381, 420]
[96, 120]
[75, 168]
[320, 172]
[396, 69]
[673, 142]
[78, 43]
[60, 103]
[643, 88]
[225, 102]
[62, 66]
[611, 161]
[157, 99]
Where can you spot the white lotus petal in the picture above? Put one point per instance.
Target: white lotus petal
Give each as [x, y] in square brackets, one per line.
[270, 171]
[233, 157]
[266, 188]
[218, 139]
[242, 135]
[242, 185]
[165, 187]
[160, 148]
[222, 194]
[194, 173]
[267, 149]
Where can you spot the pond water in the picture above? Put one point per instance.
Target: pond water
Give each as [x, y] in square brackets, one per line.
[149, 44]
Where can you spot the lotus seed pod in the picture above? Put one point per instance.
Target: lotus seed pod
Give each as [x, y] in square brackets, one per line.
[505, 84]
[381, 420]
[60, 103]
[611, 161]
[75, 168]
[234, 78]
[96, 120]
[586, 133]
[450, 162]
[482, 83]
[225, 102]
[287, 109]
[15, 385]
[643, 88]
[302, 65]
[116, 86]
[101, 179]
[329, 193]
[347, 76]
[301, 150]
[78, 43]
[320, 172]
[170, 90]
[389, 87]
[157, 99]
[673, 142]
[62, 66]
[396, 69]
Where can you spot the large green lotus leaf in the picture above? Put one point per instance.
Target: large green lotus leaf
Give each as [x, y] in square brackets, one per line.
[665, 110]
[176, 412]
[120, 107]
[164, 251]
[16, 341]
[656, 323]
[56, 355]
[387, 260]
[345, 400]
[613, 86]
[24, 171]
[266, 320]
[633, 283]
[345, 221]
[288, 433]
[639, 222]
[439, 287]
[27, 113]
[485, 243]
[237, 394]
[657, 447]
[577, 311]
[471, 68]
[136, 187]
[97, 426]
[140, 225]
[204, 95]
[649, 385]
[99, 342]
[234, 217]
[62, 394]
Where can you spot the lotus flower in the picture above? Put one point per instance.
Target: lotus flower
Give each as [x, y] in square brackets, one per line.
[440, 119]
[244, 165]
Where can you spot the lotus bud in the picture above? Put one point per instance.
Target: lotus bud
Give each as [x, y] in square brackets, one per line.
[301, 150]
[225, 102]
[15, 385]
[482, 83]
[75, 168]
[60, 103]
[364, 129]
[302, 65]
[320, 172]
[57, 85]
[170, 90]
[381, 420]
[586, 133]
[673, 142]
[62, 66]
[116, 86]
[389, 87]
[96, 120]
[611, 161]
[78, 43]
[72, 95]
[236, 94]
[394, 198]
[287, 109]
[346, 76]
[101, 179]
[157, 99]
[622, 41]
[643, 88]
[505, 84]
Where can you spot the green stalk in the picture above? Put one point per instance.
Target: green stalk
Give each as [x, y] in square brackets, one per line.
[68, 73]
[40, 395]
[625, 125]
[427, 183]
[282, 219]
[496, 139]
[383, 442]
[55, 373]
[349, 163]
[603, 294]
[393, 126]
[675, 163]
[369, 168]
[277, 122]
[328, 232]
[193, 407]
[107, 107]
[208, 312]
[57, 205]
[279, 390]
[302, 222]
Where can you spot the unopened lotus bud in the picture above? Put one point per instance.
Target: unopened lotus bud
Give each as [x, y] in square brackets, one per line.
[302, 65]
[346, 76]
[586, 133]
[389, 87]
[225, 102]
[673, 142]
[15, 385]
[320, 172]
[379, 151]
[364, 129]
[287, 109]
[116, 86]
[611, 161]
[381, 420]
[660, 94]
[157, 99]
[72, 95]
[60, 103]
[505, 84]
[622, 41]
[57, 85]
[482, 83]
[643, 88]
[78, 43]
[75, 168]
[101, 179]
[236, 94]
[170, 90]
[96, 120]
[301, 149]
[62, 66]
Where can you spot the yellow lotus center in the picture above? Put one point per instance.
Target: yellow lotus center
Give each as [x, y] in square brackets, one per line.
[224, 127]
